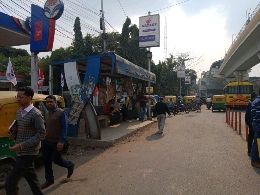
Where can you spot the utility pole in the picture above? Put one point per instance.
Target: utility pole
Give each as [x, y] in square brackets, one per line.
[149, 56]
[103, 27]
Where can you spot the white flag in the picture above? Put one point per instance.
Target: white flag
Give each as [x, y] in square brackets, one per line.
[10, 73]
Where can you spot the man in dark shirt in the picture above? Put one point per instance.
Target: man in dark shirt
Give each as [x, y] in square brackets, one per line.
[52, 146]
[143, 101]
[161, 108]
[248, 120]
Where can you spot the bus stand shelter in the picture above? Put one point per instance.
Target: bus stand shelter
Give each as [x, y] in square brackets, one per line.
[81, 90]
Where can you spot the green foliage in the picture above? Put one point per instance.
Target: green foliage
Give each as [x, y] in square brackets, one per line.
[78, 44]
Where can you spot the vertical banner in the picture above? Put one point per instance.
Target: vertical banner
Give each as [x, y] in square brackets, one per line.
[40, 77]
[129, 86]
[102, 95]
[111, 91]
[149, 31]
[180, 72]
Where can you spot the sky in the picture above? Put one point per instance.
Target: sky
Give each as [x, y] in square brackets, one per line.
[202, 28]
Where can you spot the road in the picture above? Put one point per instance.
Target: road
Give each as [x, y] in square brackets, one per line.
[197, 154]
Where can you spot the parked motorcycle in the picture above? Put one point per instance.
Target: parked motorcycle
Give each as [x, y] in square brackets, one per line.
[181, 108]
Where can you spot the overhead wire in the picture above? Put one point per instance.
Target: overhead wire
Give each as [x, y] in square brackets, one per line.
[122, 7]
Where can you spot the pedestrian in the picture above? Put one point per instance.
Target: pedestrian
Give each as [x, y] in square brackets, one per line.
[255, 114]
[143, 101]
[248, 120]
[52, 145]
[161, 108]
[171, 105]
[30, 132]
[108, 111]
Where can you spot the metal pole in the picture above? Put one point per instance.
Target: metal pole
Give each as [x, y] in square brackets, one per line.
[149, 83]
[149, 86]
[50, 79]
[180, 87]
[103, 26]
[34, 72]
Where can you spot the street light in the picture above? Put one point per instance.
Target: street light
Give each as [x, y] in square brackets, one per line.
[247, 15]
[149, 56]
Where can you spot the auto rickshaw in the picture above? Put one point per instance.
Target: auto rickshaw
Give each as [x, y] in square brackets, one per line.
[187, 101]
[8, 109]
[218, 102]
[166, 99]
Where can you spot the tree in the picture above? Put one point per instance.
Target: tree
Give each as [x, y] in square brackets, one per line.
[88, 45]
[78, 44]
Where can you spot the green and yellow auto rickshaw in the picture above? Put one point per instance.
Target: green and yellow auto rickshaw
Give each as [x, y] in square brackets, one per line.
[188, 103]
[218, 103]
[8, 109]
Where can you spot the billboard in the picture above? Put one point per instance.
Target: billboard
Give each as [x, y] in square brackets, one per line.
[180, 72]
[187, 80]
[149, 31]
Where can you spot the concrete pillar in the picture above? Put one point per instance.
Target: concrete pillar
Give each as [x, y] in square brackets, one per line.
[241, 75]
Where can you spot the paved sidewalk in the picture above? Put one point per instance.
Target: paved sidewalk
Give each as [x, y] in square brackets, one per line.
[112, 134]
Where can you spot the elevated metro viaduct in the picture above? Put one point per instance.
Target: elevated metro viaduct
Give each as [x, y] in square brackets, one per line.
[244, 52]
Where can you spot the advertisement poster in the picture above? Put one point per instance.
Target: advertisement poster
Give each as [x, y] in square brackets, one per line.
[102, 95]
[187, 80]
[111, 91]
[129, 86]
[149, 31]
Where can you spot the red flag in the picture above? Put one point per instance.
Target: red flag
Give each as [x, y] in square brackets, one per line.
[40, 77]
[95, 91]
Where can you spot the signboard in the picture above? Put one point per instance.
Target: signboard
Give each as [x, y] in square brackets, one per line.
[187, 80]
[147, 90]
[149, 31]
[53, 9]
[180, 72]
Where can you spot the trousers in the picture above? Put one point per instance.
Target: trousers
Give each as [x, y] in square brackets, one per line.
[161, 121]
[24, 167]
[51, 154]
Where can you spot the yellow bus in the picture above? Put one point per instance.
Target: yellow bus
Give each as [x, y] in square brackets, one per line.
[238, 94]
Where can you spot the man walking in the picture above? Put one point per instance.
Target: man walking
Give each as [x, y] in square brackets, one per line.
[56, 131]
[255, 114]
[161, 108]
[30, 132]
[143, 101]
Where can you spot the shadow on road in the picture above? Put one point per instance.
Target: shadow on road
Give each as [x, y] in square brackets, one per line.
[155, 136]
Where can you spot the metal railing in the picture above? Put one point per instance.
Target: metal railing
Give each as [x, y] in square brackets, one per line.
[244, 26]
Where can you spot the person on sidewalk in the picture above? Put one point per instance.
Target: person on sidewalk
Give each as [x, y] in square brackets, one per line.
[255, 114]
[143, 101]
[107, 111]
[30, 132]
[52, 145]
[161, 108]
[248, 120]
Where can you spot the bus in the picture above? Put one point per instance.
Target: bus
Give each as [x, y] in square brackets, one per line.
[238, 94]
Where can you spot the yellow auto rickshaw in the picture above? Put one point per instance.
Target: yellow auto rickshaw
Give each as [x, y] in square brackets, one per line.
[167, 98]
[187, 100]
[218, 103]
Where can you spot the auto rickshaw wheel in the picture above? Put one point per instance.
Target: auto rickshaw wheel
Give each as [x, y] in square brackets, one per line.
[5, 170]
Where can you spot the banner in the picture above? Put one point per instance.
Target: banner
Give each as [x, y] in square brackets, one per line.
[10, 73]
[129, 86]
[40, 77]
[180, 72]
[149, 31]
